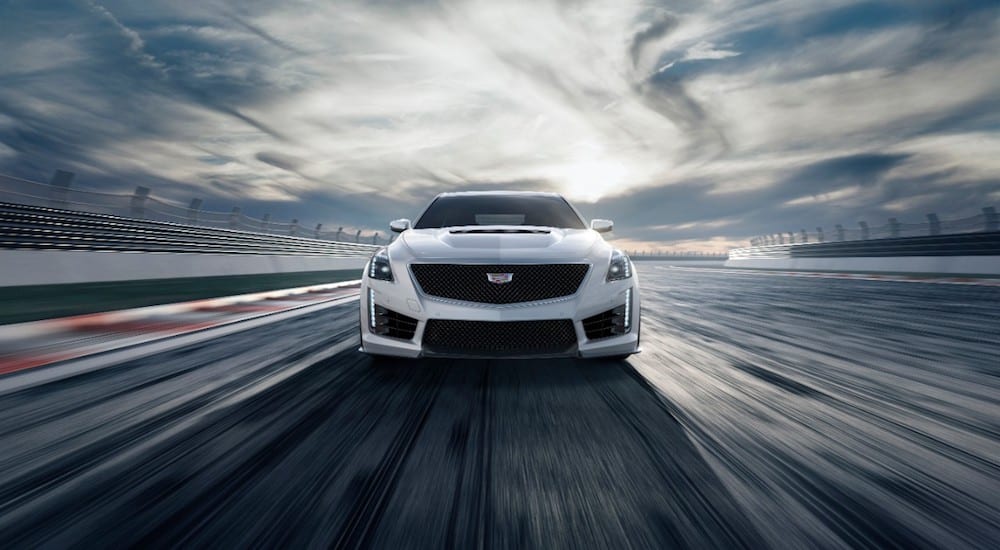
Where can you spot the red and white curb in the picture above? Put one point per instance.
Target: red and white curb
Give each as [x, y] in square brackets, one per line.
[25, 346]
[856, 276]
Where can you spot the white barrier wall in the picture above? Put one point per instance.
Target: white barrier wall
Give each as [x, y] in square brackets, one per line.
[42, 267]
[965, 265]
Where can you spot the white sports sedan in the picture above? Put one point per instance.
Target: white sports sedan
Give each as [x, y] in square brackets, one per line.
[500, 274]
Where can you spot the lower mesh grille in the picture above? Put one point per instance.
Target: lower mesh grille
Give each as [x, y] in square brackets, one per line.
[504, 338]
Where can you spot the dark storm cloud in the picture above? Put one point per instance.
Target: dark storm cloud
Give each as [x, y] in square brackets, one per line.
[864, 169]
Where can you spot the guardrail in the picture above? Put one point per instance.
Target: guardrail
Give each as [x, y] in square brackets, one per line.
[962, 244]
[30, 227]
[988, 221]
[677, 256]
[142, 204]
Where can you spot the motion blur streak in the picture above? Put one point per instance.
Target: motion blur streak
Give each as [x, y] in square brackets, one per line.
[764, 412]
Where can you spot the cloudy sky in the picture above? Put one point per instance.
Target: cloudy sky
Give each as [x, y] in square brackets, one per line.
[694, 124]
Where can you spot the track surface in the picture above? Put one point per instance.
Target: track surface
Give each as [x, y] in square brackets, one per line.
[764, 412]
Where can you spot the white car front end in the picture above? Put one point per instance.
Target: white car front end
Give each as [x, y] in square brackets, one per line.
[500, 291]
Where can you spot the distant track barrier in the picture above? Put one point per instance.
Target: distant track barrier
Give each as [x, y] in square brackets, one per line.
[963, 253]
[143, 204]
[43, 246]
[28, 227]
[987, 221]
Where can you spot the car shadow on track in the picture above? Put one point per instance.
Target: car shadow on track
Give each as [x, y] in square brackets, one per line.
[565, 452]
[561, 371]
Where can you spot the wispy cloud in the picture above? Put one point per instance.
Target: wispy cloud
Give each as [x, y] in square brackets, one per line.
[764, 114]
[135, 45]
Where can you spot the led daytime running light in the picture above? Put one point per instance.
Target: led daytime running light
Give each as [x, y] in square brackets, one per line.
[628, 310]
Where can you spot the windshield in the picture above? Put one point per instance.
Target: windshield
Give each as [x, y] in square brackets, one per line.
[541, 210]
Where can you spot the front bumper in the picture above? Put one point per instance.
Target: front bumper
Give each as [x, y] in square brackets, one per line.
[594, 297]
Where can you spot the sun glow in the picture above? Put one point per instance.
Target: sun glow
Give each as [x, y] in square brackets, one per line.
[590, 180]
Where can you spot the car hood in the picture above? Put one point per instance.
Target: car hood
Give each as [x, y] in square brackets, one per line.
[502, 244]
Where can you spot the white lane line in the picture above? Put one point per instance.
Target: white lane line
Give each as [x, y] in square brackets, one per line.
[143, 346]
[48, 326]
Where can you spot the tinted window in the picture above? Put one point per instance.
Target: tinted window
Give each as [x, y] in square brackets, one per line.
[500, 210]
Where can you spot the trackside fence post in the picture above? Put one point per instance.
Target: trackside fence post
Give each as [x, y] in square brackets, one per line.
[59, 192]
[193, 209]
[933, 224]
[138, 203]
[991, 221]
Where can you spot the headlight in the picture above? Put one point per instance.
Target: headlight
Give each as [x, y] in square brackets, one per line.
[620, 268]
[378, 266]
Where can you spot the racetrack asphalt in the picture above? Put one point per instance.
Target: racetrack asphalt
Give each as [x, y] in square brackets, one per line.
[763, 412]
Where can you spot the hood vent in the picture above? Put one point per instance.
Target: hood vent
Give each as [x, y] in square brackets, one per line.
[498, 230]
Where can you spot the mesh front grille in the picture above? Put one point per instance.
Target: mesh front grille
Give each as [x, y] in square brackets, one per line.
[471, 283]
[503, 338]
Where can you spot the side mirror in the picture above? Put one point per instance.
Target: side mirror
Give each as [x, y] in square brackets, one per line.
[400, 225]
[602, 226]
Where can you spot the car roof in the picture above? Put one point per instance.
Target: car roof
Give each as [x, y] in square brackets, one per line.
[493, 193]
